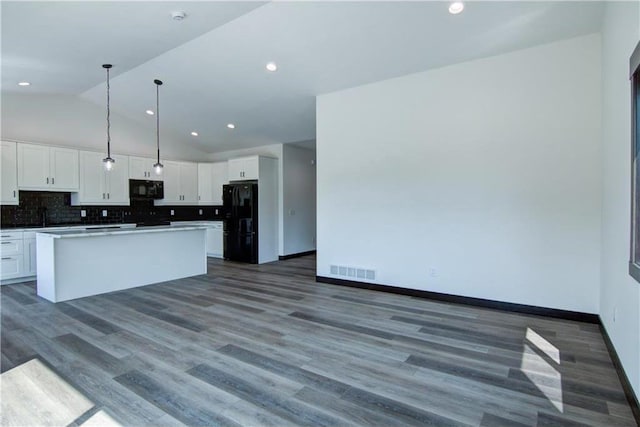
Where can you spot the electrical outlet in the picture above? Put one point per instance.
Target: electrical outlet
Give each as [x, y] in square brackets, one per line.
[83, 213]
[292, 212]
[216, 211]
[199, 211]
[433, 272]
[172, 212]
[104, 212]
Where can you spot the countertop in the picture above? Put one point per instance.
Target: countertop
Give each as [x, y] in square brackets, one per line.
[75, 226]
[117, 231]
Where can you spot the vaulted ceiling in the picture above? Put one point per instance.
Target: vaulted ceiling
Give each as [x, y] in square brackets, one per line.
[213, 61]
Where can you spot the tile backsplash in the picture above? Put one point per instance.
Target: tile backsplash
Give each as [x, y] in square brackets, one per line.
[38, 208]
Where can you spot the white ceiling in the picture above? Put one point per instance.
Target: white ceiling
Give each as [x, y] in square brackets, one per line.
[212, 62]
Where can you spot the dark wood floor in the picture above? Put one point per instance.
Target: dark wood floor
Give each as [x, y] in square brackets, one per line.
[267, 345]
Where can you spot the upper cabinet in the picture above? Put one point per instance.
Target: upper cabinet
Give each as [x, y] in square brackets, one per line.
[99, 187]
[142, 168]
[211, 178]
[180, 183]
[243, 168]
[9, 173]
[47, 168]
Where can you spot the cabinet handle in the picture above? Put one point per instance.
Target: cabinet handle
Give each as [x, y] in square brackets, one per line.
[6, 243]
[53, 180]
[5, 235]
[47, 180]
[3, 258]
[107, 195]
[198, 196]
[102, 196]
[14, 193]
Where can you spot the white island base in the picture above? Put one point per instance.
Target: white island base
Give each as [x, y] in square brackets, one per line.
[75, 264]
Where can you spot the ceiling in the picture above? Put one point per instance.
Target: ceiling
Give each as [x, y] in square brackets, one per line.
[213, 62]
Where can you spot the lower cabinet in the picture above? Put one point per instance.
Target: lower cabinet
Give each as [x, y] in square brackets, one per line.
[214, 240]
[12, 255]
[30, 254]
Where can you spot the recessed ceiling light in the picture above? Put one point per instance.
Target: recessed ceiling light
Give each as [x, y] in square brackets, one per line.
[231, 126]
[456, 7]
[271, 66]
[24, 84]
[194, 133]
[150, 112]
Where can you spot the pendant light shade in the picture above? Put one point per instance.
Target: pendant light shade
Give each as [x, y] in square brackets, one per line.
[158, 166]
[108, 162]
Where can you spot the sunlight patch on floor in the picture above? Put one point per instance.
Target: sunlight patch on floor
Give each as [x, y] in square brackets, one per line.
[101, 419]
[540, 371]
[32, 394]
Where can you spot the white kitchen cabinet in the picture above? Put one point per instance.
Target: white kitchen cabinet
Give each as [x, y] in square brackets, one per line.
[9, 173]
[142, 168]
[180, 184]
[29, 249]
[215, 240]
[211, 178]
[11, 255]
[244, 168]
[99, 187]
[41, 167]
[205, 183]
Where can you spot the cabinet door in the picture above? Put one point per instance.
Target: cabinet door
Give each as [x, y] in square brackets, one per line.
[205, 183]
[64, 169]
[12, 267]
[117, 181]
[219, 177]
[235, 169]
[33, 167]
[141, 168]
[9, 173]
[242, 169]
[29, 257]
[250, 168]
[92, 179]
[171, 177]
[189, 183]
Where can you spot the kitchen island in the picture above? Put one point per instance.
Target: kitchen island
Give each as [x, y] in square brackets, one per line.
[79, 263]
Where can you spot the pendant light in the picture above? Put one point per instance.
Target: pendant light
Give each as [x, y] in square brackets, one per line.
[158, 166]
[108, 161]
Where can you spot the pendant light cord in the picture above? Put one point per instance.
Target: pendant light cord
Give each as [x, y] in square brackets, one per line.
[108, 117]
[158, 118]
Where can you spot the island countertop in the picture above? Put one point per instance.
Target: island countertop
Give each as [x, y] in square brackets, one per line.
[116, 231]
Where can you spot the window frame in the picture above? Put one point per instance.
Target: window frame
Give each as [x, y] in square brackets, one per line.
[634, 77]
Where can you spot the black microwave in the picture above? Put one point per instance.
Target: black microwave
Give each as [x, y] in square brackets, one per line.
[141, 189]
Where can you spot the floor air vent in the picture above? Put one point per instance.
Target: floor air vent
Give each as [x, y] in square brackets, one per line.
[352, 272]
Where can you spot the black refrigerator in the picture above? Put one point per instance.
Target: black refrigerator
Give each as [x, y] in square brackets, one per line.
[241, 222]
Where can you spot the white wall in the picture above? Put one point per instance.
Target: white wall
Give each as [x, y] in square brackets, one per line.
[486, 171]
[618, 292]
[299, 198]
[71, 121]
